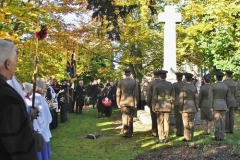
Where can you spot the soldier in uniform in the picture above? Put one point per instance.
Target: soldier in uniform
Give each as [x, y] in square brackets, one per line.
[206, 113]
[188, 103]
[177, 115]
[232, 103]
[149, 103]
[127, 96]
[162, 105]
[219, 95]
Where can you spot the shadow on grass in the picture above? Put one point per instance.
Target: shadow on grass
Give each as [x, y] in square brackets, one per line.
[69, 142]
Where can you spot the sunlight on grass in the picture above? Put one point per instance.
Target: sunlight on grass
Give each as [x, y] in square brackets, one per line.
[69, 142]
[104, 124]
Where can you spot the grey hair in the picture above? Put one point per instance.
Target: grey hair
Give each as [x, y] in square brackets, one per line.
[28, 87]
[7, 51]
[41, 86]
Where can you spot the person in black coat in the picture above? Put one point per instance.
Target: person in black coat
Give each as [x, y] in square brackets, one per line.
[100, 96]
[80, 94]
[94, 92]
[109, 94]
[62, 99]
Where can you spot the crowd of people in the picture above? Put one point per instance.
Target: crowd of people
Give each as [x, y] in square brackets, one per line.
[29, 115]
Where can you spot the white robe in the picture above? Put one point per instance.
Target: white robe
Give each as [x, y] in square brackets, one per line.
[15, 85]
[41, 124]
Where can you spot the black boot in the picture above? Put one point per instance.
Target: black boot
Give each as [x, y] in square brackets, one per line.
[99, 114]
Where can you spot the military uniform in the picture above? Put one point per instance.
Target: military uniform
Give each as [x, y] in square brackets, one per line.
[127, 96]
[188, 102]
[162, 105]
[219, 95]
[149, 103]
[206, 113]
[177, 115]
[232, 104]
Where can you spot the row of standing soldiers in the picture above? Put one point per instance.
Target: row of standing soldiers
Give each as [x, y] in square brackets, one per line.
[217, 102]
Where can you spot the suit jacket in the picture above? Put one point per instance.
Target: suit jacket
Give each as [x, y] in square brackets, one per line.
[163, 96]
[150, 91]
[203, 96]
[17, 139]
[188, 98]
[219, 96]
[233, 89]
[80, 91]
[177, 86]
[127, 93]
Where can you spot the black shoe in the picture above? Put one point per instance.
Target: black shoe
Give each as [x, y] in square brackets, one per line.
[231, 132]
[153, 135]
[206, 134]
[218, 139]
[185, 140]
[179, 135]
[126, 136]
[160, 141]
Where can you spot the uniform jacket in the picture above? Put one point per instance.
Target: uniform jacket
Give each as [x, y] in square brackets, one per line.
[188, 98]
[150, 91]
[16, 134]
[163, 96]
[127, 93]
[219, 96]
[177, 86]
[203, 96]
[233, 89]
[238, 92]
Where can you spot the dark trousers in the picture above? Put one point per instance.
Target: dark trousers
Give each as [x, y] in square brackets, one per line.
[108, 111]
[54, 123]
[143, 103]
[178, 121]
[79, 104]
[63, 115]
[229, 120]
[127, 120]
[154, 122]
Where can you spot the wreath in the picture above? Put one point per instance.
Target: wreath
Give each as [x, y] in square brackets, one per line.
[106, 102]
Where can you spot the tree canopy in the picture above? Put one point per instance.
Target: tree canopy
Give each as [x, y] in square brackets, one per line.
[108, 36]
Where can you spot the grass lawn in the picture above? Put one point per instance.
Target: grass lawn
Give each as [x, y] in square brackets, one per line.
[69, 142]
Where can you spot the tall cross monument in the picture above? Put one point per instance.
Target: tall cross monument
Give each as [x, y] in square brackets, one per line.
[170, 18]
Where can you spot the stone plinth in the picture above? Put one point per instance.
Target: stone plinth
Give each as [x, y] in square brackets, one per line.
[144, 117]
[147, 109]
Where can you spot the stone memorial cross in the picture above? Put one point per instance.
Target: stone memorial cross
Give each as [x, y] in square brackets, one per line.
[170, 18]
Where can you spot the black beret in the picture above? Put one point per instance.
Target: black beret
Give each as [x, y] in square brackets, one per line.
[101, 86]
[228, 72]
[163, 72]
[219, 74]
[156, 72]
[207, 76]
[188, 75]
[127, 70]
[179, 74]
[108, 84]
